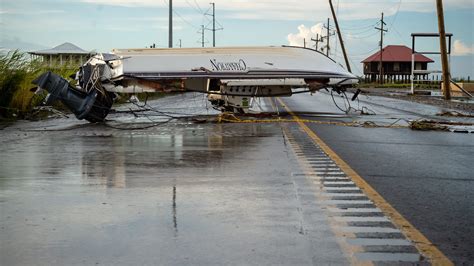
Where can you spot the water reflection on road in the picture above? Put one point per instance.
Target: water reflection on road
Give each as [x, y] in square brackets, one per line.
[164, 195]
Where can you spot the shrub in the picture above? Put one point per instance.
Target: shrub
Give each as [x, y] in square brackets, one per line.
[17, 71]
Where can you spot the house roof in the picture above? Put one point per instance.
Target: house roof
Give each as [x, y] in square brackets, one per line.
[65, 48]
[396, 53]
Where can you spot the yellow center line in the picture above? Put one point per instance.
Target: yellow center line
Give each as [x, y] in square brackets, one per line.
[422, 243]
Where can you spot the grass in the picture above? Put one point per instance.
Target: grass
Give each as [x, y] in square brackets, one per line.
[17, 71]
[398, 85]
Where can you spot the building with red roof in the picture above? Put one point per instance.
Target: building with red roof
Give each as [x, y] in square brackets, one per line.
[396, 64]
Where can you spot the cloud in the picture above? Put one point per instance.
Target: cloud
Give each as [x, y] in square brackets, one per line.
[140, 28]
[12, 43]
[125, 3]
[147, 19]
[459, 48]
[301, 10]
[304, 33]
[31, 12]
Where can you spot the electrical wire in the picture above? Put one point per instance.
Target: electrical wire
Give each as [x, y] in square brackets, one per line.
[358, 37]
[155, 124]
[361, 31]
[232, 118]
[348, 108]
[197, 5]
[152, 109]
[177, 14]
[396, 14]
[198, 10]
[362, 54]
[359, 27]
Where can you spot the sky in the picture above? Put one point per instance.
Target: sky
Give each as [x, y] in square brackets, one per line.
[102, 25]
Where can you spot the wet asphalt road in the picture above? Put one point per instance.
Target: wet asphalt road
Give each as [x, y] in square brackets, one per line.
[73, 193]
[427, 176]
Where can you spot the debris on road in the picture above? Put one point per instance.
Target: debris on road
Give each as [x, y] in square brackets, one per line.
[426, 125]
[455, 114]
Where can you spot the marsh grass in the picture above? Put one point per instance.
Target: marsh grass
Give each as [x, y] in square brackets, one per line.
[17, 71]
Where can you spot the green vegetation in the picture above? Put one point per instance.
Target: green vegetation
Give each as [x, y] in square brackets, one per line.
[17, 71]
[399, 85]
[462, 79]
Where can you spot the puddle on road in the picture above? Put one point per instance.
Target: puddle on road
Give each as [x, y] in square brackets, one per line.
[100, 155]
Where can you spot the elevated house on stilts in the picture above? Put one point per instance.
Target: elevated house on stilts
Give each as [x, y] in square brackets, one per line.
[396, 65]
[66, 54]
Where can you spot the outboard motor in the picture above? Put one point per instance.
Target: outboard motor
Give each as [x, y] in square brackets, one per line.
[92, 106]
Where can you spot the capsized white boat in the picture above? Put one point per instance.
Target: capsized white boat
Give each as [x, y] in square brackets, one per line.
[230, 75]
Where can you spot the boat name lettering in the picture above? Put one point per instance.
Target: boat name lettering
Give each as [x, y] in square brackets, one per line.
[228, 66]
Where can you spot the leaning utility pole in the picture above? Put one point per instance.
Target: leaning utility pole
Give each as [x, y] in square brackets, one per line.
[444, 56]
[170, 26]
[340, 37]
[381, 29]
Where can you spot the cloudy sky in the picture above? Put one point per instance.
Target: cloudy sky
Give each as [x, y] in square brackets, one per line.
[105, 24]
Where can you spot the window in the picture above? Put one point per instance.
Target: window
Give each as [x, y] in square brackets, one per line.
[396, 67]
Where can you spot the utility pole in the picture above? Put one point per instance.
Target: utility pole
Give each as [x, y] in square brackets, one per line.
[213, 24]
[327, 48]
[213, 15]
[202, 35]
[328, 34]
[340, 37]
[304, 42]
[170, 26]
[444, 56]
[316, 41]
[382, 30]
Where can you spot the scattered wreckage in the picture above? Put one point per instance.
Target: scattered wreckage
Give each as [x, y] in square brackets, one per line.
[230, 76]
